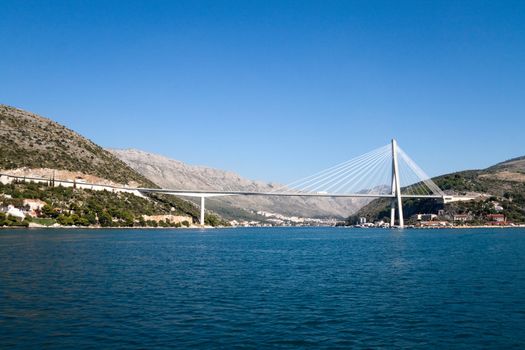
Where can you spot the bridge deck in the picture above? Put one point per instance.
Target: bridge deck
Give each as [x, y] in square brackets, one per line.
[198, 193]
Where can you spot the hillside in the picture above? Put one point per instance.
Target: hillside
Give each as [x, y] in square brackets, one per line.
[31, 145]
[30, 141]
[170, 173]
[514, 164]
[501, 186]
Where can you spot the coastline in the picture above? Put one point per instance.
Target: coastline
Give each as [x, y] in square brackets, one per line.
[60, 227]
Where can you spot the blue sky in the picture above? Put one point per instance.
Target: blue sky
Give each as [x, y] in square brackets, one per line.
[275, 90]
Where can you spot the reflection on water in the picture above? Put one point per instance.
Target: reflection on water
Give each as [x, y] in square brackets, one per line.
[257, 288]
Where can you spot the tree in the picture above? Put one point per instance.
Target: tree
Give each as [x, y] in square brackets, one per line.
[49, 212]
[212, 220]
[105, 220]
[65, 220]
[3, 219]
[90, 217]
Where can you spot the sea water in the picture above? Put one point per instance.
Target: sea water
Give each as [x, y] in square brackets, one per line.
[262, 288]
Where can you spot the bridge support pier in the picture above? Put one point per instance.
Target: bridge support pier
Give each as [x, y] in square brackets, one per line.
[392, 212]
[396, 189]
[202, 211]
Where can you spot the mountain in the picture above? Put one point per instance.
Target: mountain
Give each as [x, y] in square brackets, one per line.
[170, 173]
[499, 186]
[34, 146]
[30, 141]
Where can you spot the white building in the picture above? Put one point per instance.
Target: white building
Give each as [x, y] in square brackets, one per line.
[425, 217]
[11, 210]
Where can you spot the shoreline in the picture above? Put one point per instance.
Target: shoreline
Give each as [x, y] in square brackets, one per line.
[469, 227]
[37, 227]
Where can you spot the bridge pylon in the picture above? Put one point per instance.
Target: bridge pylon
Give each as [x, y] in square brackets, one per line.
[201, 219]
[396, 190]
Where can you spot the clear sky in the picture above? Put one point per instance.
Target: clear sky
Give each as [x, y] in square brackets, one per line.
[275, 90]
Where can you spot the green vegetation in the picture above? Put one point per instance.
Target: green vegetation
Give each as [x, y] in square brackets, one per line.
[9, 220]
[466, 181]
[379, 209]
[68, 206]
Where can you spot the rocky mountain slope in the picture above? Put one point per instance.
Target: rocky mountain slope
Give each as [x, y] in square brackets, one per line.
[170, 173]
[28, 140]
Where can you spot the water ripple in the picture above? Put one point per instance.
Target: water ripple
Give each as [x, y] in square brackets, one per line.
[259, 288]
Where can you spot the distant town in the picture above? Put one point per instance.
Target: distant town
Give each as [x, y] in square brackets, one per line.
[280, 220]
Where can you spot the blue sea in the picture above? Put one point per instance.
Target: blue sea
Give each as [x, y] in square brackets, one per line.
[258, 288]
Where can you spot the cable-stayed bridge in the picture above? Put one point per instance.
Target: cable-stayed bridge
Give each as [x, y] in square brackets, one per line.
[386, 172]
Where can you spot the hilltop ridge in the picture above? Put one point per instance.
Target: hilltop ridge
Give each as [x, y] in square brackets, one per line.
[28, 140]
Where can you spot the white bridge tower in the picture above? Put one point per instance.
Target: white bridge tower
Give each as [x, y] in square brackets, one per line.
[396, 190]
